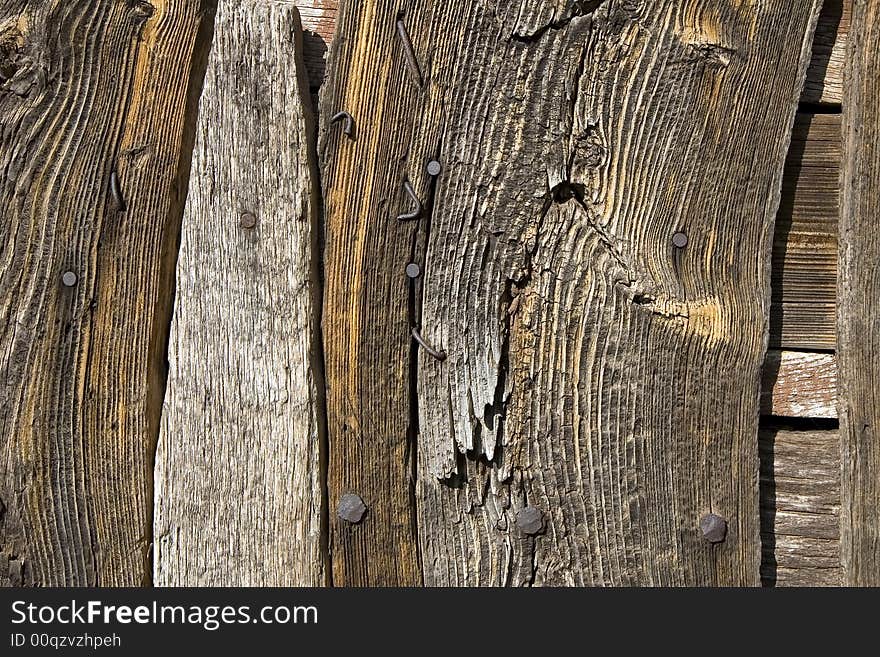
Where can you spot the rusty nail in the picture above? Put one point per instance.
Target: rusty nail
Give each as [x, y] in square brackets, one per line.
[714, 528]
[408, 51]
[530, 521]
[69, 279]
[415, 214]
[679, 240]
[247, 220]
[348, 128]
[351, 508]
[116, 191]
[434, 168]
[413, 270]
[439, 355]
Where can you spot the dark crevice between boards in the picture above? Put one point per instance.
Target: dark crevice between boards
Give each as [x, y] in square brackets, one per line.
[164, 311]
[317, 358]
[418, 254]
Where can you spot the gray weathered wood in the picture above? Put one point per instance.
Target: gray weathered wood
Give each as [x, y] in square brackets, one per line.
[800, 507]
[799, 384]
[238, 470]
[859, 301]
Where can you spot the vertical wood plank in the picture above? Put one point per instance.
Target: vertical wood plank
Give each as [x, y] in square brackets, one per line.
[859, 287]
[601, 372]
[87, 89]
[238, 469]
[366, 313]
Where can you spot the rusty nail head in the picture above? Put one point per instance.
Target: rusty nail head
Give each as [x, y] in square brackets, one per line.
[351, 508]
[434, 168]
[247, 220]
[714, 528]
[413, 270]
[69, 279]
[679, 240]
[530, 521]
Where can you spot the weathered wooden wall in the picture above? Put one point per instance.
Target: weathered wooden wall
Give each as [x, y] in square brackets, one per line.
[546, 263]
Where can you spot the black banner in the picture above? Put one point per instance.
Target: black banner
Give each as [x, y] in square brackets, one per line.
[451, 621]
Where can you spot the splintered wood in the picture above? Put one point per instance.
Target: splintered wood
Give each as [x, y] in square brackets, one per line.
[89, 92]
[596, 372]
[238, 469]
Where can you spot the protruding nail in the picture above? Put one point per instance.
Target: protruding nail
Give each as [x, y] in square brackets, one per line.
[714, 528]
[530, 521]
[69, 279]
[409, 52]
[351, 508]
[413, 270]
[247, 220]
[439, 355]
[434, 168]
[348, 128]
[679, 240]
[417, 212]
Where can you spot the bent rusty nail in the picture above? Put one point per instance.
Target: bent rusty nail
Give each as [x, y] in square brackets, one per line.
[348, 128]
[409, 52]
[439, 355]
[415, 214]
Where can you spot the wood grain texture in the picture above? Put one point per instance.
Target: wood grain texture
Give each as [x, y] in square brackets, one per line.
[238, 468]
[825, 76]
[799, 384]
[87, 89]
[800, 507]
[858, 310]
[805, 248]
[594, 371]
[367, 303]
[805, 244]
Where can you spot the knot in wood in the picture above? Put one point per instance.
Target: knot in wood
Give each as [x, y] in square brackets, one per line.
[351, 508]
[530, 521]
[714, 528]
[140, 9]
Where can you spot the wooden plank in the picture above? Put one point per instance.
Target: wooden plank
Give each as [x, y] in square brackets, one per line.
[859, 291]
[87, 90]
[825, 76]
[805, 242]
[799, 384]
[594, 371]
[238, 467]
[800, 507]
